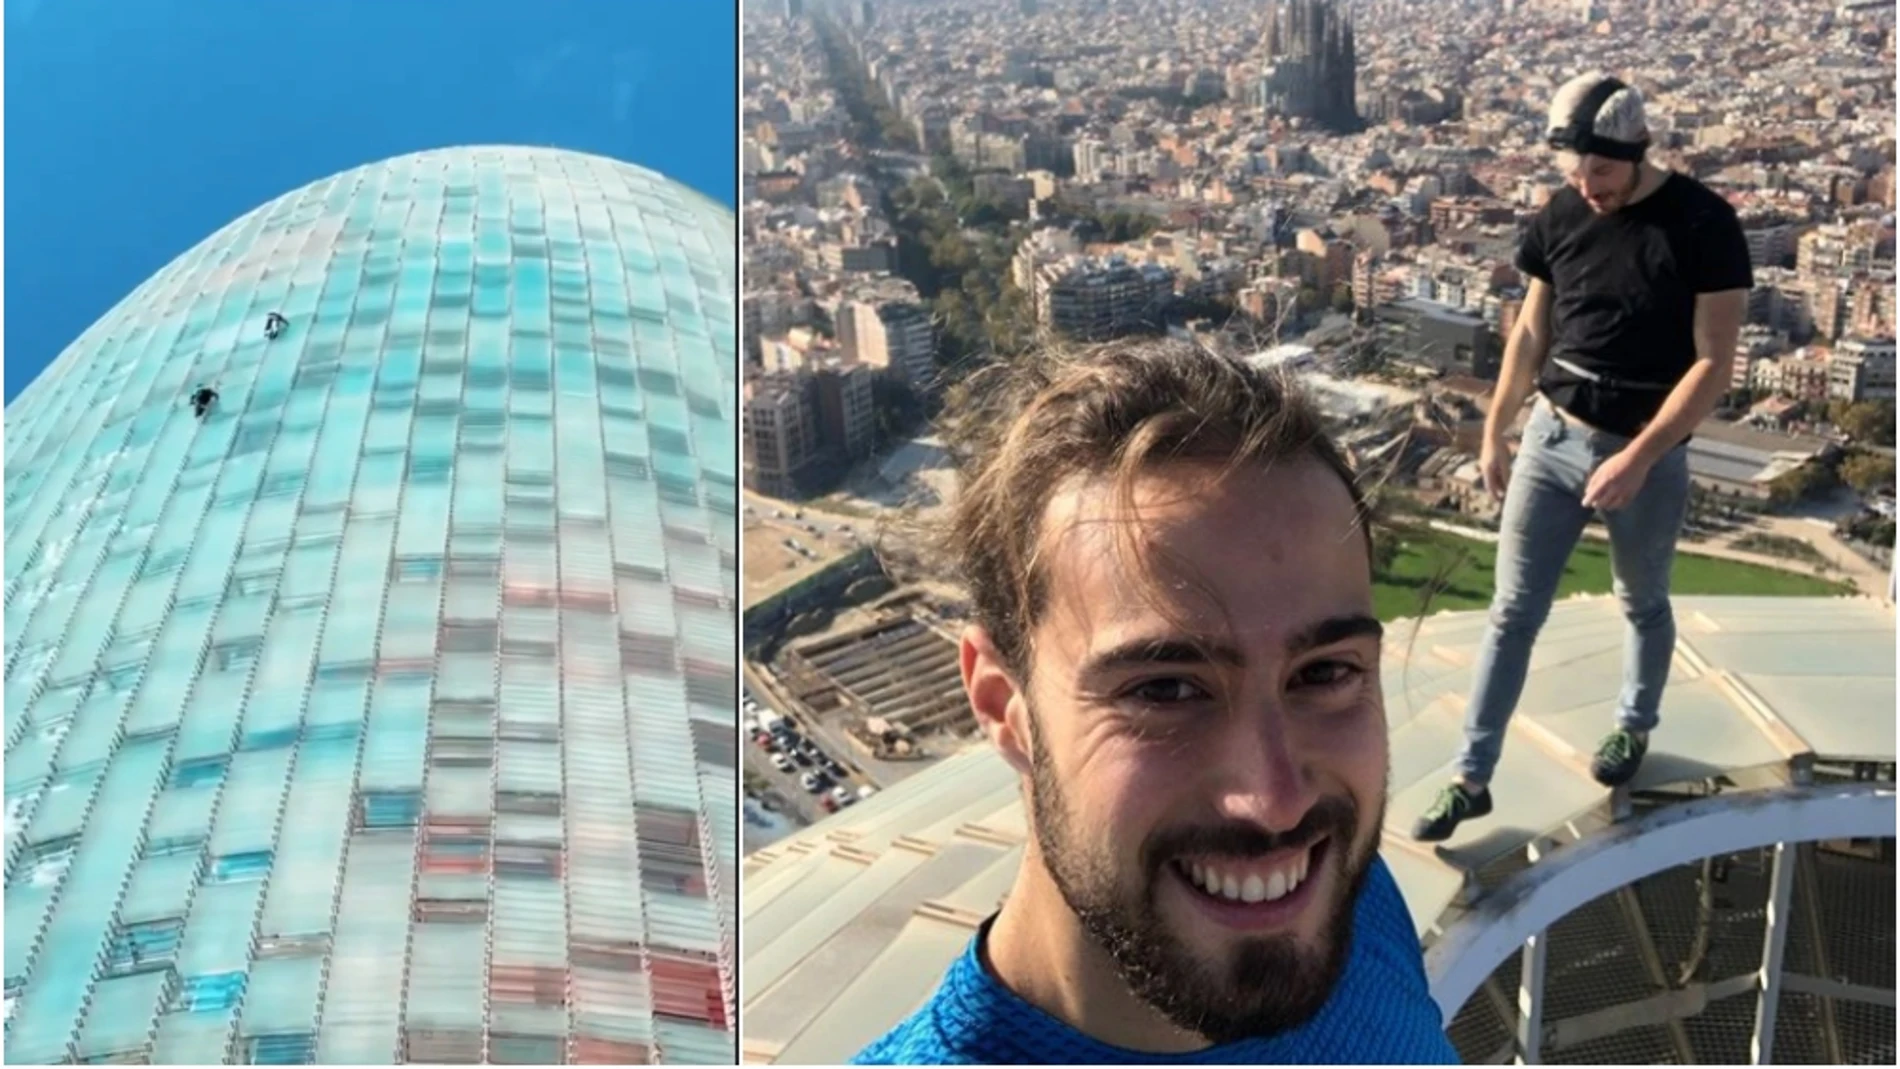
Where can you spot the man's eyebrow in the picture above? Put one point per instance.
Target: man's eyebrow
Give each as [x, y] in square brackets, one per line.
[1334, 629]
[1150, 652]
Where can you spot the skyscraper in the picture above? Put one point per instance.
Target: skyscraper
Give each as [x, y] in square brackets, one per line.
[1312, 64]
[387, 712]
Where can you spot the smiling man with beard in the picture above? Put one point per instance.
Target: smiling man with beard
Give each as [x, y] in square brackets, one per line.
[1174, 647]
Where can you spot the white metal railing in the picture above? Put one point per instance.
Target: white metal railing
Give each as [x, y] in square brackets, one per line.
[1508, 916]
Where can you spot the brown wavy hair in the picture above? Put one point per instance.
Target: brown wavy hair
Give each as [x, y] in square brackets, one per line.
[1018, 431]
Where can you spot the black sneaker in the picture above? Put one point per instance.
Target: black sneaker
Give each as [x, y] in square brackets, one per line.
[1454, 804]
[1619, 755]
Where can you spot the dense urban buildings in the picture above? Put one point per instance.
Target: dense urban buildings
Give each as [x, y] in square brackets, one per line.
[383, 709]
[1346, 174]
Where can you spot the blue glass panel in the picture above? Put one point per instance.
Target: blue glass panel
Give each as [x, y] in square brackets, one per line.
[212, 992]
[240, 867]
[197, 773]
[391, 809]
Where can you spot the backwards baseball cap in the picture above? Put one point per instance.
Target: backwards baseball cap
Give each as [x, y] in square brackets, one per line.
[1598, 115]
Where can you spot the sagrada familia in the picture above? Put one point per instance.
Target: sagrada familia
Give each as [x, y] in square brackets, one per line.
[1311, 66]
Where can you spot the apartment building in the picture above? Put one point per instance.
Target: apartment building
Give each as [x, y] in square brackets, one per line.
[1092, 299]
[893, 336]
[805, 426]
[1861, 369]
[780, 435]
[1440, 336]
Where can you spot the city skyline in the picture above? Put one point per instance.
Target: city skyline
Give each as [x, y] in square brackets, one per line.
[1106, 179]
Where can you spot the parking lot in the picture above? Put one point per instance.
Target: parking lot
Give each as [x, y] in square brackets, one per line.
[783, 793]
[802, 770]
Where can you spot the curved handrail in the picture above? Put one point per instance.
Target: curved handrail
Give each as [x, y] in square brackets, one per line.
[1572, 876]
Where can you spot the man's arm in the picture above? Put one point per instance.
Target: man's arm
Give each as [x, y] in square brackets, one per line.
[1718, 325]
[1524, 355]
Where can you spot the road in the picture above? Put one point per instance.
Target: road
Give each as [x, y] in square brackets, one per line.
[1869, 577]
[879, 774]
[814, 511]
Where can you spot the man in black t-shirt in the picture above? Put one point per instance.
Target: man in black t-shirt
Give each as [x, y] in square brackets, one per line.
[1638, 285]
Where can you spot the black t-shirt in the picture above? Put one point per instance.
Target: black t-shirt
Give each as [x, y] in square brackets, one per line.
[1624, 288]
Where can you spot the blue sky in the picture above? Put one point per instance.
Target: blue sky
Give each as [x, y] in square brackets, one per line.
[136, 128]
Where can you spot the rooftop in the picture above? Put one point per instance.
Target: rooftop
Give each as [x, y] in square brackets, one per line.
[1435, 310]
[851, 923]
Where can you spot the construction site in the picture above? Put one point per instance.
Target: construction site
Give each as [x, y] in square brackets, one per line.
[858, 643]
[880, 684]
[887, 684]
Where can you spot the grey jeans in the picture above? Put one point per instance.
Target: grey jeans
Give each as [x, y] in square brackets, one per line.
[1542, 520]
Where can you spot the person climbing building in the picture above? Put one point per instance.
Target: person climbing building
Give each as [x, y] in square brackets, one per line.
[274, 325]
[201, 401]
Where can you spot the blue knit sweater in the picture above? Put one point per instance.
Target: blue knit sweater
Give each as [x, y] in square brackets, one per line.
[1380, 1014]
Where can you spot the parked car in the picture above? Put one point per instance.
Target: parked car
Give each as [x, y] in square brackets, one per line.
[841, 796]
[781, 762]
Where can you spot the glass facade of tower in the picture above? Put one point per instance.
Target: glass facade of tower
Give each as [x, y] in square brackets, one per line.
[387, 713]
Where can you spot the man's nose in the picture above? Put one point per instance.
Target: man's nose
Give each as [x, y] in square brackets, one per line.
[1265, 779]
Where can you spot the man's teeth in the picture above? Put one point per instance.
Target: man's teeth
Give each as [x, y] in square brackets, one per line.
[1252, 887]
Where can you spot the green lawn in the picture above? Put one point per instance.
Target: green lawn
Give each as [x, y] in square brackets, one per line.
[1469, 586]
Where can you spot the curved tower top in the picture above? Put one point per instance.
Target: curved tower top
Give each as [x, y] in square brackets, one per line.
[383, 710]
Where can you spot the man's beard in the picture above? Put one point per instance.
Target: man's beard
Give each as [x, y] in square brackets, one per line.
[1270, 983]
[1620, 199]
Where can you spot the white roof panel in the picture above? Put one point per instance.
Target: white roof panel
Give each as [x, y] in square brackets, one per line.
[841, 944]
